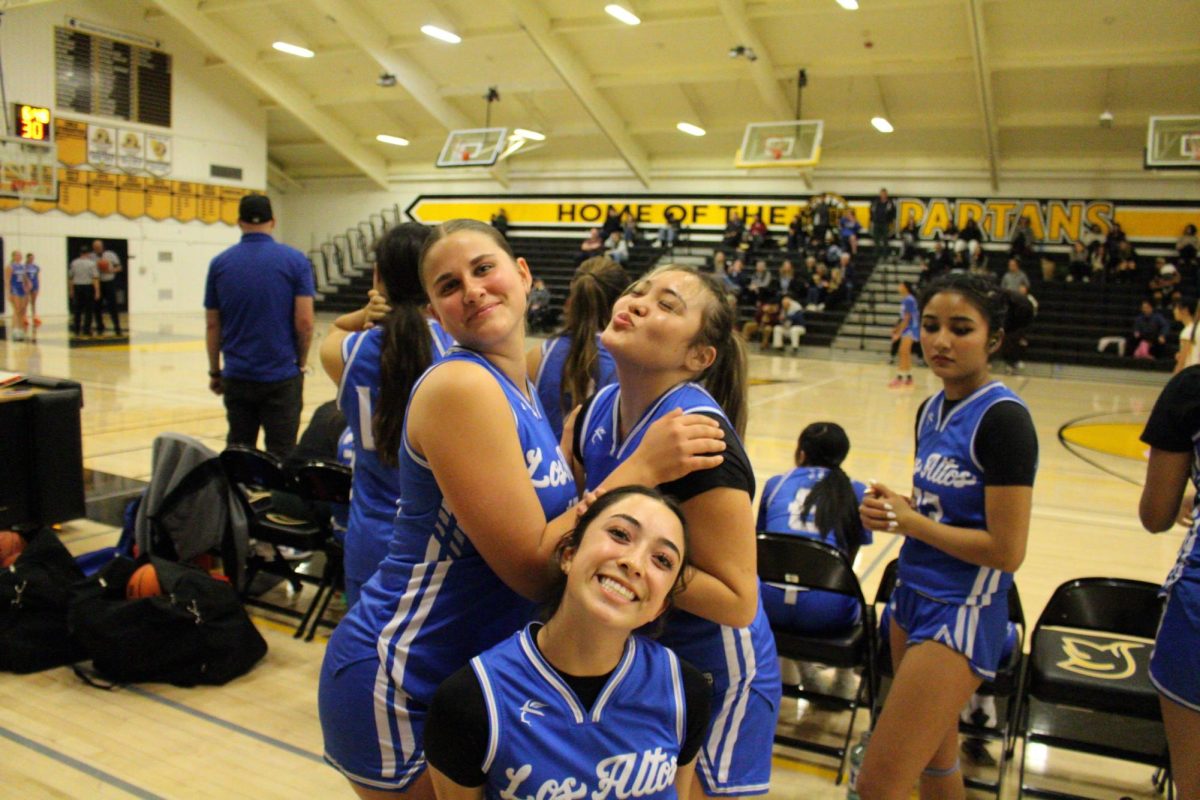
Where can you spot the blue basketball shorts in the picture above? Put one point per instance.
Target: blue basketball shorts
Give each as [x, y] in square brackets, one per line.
[373, 731]
[809, 612]
[1175, 662]
[977, 632]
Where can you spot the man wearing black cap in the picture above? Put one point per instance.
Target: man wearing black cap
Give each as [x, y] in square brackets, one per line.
[259, 313]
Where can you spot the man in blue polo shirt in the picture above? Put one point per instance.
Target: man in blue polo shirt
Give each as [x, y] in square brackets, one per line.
[259, 314]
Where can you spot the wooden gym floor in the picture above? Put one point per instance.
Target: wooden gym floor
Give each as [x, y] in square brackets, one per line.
[259, 736]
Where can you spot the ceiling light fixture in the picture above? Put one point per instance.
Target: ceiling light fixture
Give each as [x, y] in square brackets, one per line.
[438, 33]
[293, 49]
[882, 125]
[396, 140]
[849, 5]
[532, 136]
[623, 14]
[690, 129]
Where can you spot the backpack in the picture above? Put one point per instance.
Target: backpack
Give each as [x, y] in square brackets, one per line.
[195, 632]
[34, 595]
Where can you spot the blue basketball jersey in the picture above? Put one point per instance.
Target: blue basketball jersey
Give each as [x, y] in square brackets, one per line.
[434, 602]
[542, 741]
[550, 375]
[783, 500]
[16, 282]
[442, 341]
[948, 487]
[909, 306]
[1188, 561]
[345, 457]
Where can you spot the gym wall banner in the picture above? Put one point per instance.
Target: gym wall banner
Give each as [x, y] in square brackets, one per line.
[1054, 221]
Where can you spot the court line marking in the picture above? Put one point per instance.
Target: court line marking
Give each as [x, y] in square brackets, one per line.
[887, 549]
[81, 766]
[792, 391]
[223, 723]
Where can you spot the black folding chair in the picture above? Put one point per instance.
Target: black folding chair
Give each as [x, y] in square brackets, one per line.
[790, 560]
[1087, 687]
[257, 475]
[324, 485]
[1005, 687]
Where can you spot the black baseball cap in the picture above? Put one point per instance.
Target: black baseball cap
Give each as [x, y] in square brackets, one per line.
[255, 209]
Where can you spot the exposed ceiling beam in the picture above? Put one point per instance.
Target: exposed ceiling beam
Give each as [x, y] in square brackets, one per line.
[1097, 58]
[279, 177]
[533, 19]
[762, 69]
[983, 87]
[209, 6]
[240, 55]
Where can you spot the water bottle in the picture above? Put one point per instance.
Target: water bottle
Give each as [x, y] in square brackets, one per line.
[857, 754]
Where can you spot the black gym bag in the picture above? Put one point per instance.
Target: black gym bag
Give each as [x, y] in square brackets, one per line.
[34, 594]
[195, 632]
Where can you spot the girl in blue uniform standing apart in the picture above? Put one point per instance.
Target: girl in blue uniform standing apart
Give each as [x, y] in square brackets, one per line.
[906, 332]
[965, 530]
[816, 500]
[671, 331]
[33, 275]
[483, 504]
[572, 364]
[17, 289]
[581, 698]
[375, 355]
[1173, 433]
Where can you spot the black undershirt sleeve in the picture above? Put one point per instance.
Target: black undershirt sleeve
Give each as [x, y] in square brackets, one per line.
[457, 728]
[1006, 445]
[734, 471]
[1176, 415]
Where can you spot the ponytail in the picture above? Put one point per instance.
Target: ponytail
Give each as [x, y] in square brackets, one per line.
[825, 445]
[597, 284]
[407, 349]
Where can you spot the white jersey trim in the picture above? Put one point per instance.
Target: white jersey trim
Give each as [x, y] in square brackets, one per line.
[348, 359]
[489, 699]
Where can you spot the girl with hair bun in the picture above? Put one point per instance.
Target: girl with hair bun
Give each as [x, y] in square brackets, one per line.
[374, 356]
[573, 364]
[459, 577]
[574, 696]
[672, 339]
[816, 500]
[965, 531]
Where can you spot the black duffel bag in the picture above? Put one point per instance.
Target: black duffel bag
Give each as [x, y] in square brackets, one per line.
[195, 632]
[34, 594]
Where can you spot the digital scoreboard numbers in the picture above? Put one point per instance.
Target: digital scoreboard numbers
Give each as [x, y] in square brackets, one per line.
[33, 122]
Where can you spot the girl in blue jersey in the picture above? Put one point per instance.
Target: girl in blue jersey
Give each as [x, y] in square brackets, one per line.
[485, 497]
[581, 698]
[672, 331]
[17, 289]
[965, 531]
[816, 500]
[1173, 433]
[572, 364]
[906, 331]
[33, 275]
[375, 355]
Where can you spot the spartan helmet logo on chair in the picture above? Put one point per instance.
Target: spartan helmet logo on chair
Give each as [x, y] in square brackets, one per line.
[1112, 661]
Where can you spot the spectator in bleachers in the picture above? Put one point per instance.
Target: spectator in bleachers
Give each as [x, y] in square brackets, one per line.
[883, 219]
[976, 258]
[616, 248]
[736, 279]
[790, 324]
[805, 274]
[669, 232]
[1124, 263]
[766, 315]
[1079, 266]
[949, 235]
[1021, 244]
[1166, 279]
[788, 285]
[717, 263]
[833, 253]
[909, 242]
[818, 289]
[971, 235]
[940, 259]
[735, 230]
[761, 285]
[1014, 278]
[1187, 245]
[821, 214]
[612, 224]
[1022, 308]
[500, 222]
[628, 228]
[593, 245]
[539, 313]
[1093, 239]
[849, 230]
[841, 279]
[796, 233]
[758, 236]
[1149, 337]
[1189, 350]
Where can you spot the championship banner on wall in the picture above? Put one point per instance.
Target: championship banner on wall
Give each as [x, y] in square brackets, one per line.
[131, 150]
[1054, 221]
[158, 154]
[102, 146]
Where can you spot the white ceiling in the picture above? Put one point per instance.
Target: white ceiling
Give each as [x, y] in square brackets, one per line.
[969, 84]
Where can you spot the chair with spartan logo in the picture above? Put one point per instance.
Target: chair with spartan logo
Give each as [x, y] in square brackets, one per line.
[1087, 687]
[794, 561]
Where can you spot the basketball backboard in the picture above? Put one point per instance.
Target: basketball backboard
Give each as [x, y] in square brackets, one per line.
[28, 170]
[1173, 143]
[794, 143]
[475, 147]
